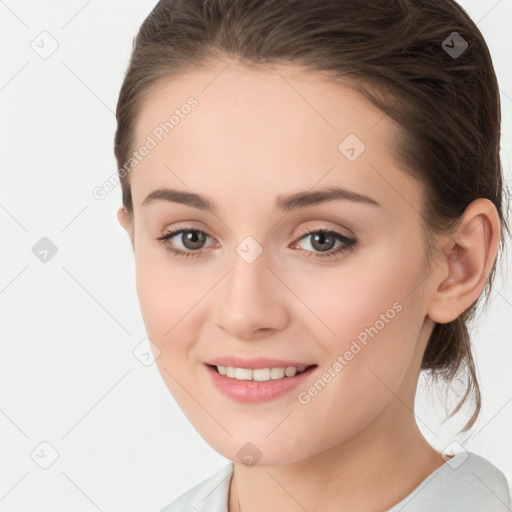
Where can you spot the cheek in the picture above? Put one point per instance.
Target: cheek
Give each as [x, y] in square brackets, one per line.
[355, 299]
[157, 278]
[374, 323]
[168, 303]
[367, 368]
[174, 301]
[163, 295]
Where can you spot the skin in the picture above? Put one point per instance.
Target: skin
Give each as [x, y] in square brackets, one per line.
[255, 135]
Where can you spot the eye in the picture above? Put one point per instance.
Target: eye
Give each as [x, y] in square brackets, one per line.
[321, 240]
[192, 239]
[324, 240]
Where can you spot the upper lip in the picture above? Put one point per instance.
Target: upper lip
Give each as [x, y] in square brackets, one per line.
[255, 363]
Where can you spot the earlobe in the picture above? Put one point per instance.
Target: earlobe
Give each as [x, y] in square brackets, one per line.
[126, 221]
[123, 218]
[465, 262]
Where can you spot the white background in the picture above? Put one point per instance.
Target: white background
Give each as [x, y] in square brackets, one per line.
[68, 375]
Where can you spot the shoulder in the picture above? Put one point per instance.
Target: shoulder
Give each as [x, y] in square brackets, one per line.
[467, 482]
[211, 495]
[474, 481]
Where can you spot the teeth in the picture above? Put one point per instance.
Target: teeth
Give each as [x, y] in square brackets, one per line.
[261, 374]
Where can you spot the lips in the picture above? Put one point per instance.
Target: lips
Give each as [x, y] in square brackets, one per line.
[253, 392]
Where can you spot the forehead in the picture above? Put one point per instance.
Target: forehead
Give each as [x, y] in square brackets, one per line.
[264, 98]
[279, 125]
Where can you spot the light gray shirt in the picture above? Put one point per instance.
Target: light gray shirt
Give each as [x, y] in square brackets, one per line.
[465, 483]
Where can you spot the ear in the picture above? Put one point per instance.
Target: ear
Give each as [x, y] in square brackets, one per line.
[126, 221]
[465, 262]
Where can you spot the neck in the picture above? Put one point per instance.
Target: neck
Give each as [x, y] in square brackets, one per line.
[371, 473]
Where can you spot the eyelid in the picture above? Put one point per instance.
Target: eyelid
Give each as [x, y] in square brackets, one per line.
[323, 226]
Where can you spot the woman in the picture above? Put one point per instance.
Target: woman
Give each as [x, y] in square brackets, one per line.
[313, 192]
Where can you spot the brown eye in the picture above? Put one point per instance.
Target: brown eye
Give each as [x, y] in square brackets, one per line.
[191, 240]
[323, 241]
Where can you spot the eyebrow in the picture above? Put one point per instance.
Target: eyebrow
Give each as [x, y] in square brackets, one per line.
[284, 203]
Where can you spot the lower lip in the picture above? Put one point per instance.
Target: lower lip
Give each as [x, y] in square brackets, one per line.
[251, 391]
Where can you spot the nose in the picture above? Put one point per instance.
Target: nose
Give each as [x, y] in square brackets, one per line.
[251, 300]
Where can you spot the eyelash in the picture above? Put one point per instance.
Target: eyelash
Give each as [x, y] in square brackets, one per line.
[349, 243]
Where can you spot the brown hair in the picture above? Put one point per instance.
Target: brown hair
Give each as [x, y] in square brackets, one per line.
[404, 58]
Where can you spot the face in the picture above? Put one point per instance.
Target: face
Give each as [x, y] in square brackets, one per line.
[338, 283]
